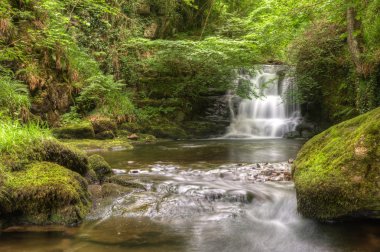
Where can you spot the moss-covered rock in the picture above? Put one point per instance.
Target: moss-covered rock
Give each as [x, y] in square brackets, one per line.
[43, 193]
[119, 143]
[82, 130]
[102, 124]
[337, 173]
[56, 152]
[132, 127]
[105, 135]
[205, 129]
[100, 166]
[170, 131]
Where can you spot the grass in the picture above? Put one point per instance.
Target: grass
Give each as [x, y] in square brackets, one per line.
[15, 136]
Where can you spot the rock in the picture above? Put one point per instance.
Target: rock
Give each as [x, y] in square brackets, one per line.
[337, 172]
[100, 166]
[133, 137]
[105, 135]
[291, 161]
[151, 31]
[305, 129]
[75, 131]
[56, 152]
[171, 131]
[102, 124]
[131, 127]
[126, 181]
[114, 190]
[44, 193]
[143, 9]
[91, 177]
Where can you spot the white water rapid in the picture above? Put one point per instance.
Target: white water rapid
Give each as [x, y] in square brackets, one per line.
[268, 116]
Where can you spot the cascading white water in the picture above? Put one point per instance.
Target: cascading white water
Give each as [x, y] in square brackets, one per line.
[268, 116]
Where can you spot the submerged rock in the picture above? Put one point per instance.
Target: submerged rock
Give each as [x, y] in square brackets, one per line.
[337, 173]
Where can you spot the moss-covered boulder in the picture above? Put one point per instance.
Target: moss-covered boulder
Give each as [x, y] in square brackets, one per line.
[166, 130]
[43, 193]
[102, 124]
[82, 130]
[132, 127]
[100, 166]
[105, 135]
[56, 152]
[337, 173]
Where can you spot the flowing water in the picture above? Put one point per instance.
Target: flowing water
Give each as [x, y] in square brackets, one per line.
[215, 195]
[273, 113]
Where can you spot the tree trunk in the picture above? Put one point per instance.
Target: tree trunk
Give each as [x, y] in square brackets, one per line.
[353, 42]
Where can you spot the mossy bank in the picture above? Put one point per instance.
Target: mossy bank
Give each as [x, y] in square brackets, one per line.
[45, 182]
[337, 173]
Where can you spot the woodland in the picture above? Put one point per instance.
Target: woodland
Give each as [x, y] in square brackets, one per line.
[86, 71]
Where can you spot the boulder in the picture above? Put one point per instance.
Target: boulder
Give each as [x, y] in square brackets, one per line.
[133, 137]
[151, 31]
[56, 152]
[102, 124]
[43, 193]
[82, 130]
[337, 173]
[100, 166]
[105, 135]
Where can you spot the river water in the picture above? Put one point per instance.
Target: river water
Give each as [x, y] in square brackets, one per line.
[207, 195]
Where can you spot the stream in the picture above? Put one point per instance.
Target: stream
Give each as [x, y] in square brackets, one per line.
[206, 195]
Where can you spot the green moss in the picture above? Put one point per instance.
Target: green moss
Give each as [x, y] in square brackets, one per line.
[56, 152]
[100, 166]
[143, 138]
[91, 177]
[101, 124]
[166, 130]
[337, 172]
[82, 130]
[94, 144]
[45, 193]
[105, 135]
[132, 127]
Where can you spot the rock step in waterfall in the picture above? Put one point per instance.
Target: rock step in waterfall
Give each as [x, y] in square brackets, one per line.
[268, 116]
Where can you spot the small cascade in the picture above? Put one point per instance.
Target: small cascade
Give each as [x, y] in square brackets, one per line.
[268, 116]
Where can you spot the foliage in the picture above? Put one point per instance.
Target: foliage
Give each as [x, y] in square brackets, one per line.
[104, 95]
[14, 98]
[184, 68]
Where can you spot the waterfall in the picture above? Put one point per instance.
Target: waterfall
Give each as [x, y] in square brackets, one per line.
[269, 115]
